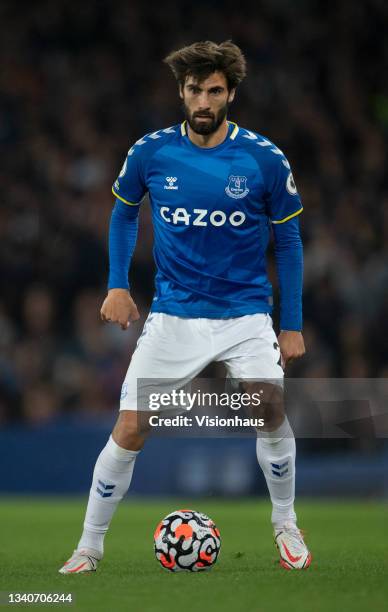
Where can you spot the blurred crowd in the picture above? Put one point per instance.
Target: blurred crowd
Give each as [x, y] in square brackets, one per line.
[80, 82]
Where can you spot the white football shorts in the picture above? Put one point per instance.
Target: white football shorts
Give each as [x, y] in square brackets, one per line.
[175, 350]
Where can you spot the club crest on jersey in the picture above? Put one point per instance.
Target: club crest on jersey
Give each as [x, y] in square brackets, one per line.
[237, 187]
[171, 180]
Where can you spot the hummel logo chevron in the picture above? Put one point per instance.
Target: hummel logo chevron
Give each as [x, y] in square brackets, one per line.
[171, 180]
[106, 490]
[280, 474]
[277, 469]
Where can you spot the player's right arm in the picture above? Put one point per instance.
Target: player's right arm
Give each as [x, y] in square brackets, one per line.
[129, 189]
[118, 306]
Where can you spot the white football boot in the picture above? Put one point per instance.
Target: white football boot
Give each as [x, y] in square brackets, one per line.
[81, 561]
[294, 553]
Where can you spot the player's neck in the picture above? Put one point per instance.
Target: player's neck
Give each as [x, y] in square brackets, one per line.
[209, 140]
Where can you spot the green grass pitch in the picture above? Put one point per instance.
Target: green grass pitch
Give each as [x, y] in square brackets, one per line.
[349, 573]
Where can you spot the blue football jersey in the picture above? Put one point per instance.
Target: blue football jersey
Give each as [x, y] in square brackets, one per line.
[212, 210]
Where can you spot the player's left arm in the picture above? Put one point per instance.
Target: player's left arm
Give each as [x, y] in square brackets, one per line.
[284, 207]
[289, 266]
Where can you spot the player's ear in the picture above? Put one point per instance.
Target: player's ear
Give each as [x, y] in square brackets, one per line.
[181, 91]
[231, 95]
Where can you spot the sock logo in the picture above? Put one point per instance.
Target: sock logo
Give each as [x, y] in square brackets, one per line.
[106, 490]
[279, 469]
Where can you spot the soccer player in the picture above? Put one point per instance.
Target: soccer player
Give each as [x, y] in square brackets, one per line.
[216, 192]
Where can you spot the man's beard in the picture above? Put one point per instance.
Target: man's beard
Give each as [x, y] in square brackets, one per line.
[204, 128]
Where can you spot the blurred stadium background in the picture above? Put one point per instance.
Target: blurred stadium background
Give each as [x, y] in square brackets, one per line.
[79, 82]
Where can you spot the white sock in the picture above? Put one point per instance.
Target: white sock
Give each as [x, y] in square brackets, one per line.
[111, 479]
[276, 456]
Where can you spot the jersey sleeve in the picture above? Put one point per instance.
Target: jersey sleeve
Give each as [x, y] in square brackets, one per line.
[130, 186]
[283, 200]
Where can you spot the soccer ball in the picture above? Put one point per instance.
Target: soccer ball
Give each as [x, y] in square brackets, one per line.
[186, 540]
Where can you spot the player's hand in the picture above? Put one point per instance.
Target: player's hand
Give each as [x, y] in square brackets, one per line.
[291, 345]
[119, 307]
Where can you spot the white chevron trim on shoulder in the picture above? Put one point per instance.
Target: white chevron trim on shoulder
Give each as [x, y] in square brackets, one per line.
[250, 135]
[286, 164]
[277, 151]
[152, 136]
[267, 143]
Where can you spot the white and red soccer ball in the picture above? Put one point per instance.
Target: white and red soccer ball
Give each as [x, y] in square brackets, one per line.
[186, 540]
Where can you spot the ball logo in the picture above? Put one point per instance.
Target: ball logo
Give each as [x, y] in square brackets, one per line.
[237, 187]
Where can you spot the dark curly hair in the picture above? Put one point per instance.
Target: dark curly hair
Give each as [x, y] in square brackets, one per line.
[203, 58]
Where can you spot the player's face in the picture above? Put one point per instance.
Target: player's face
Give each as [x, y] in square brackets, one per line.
[206, 102]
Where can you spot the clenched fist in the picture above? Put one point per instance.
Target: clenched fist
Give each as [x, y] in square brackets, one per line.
[119, 307]
[291, 346]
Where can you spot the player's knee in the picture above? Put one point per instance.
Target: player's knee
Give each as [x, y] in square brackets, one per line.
[131, 429]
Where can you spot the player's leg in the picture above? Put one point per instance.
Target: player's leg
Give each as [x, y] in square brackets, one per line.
[276, 450]
[256, 356]
[111, 480]
[112, 477]
[168, 347]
